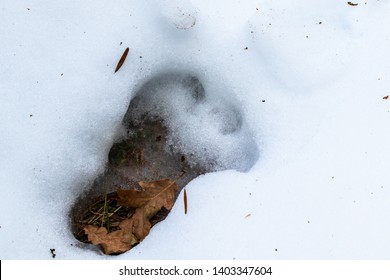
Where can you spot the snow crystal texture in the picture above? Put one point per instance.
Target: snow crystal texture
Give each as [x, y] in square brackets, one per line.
[287, 95]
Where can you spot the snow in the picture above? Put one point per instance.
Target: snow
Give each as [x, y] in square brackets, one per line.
[204, 122]
[307, 170]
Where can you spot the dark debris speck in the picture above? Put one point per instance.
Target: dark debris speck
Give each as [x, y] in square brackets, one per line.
[53, 253]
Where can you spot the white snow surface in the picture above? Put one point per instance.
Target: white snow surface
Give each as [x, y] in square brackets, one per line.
[307, 79]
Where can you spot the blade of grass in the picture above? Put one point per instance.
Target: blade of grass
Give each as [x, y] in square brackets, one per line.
[107, 216]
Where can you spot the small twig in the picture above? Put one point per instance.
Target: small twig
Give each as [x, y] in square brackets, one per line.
[116, 210]
[95, 218]
[98, 211]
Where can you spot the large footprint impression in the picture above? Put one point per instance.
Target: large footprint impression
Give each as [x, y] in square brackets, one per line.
[173, 131]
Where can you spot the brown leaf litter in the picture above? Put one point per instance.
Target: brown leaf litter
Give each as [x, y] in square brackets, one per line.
[125, 217]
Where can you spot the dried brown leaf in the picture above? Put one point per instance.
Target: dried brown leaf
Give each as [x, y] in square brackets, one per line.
[155, 194]
[141, 224]
[148, 202]
[114, 242]
[352, 4]
[386, 97]
[122, 60]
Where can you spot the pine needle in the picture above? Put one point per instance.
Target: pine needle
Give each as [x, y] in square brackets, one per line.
[185, 201]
